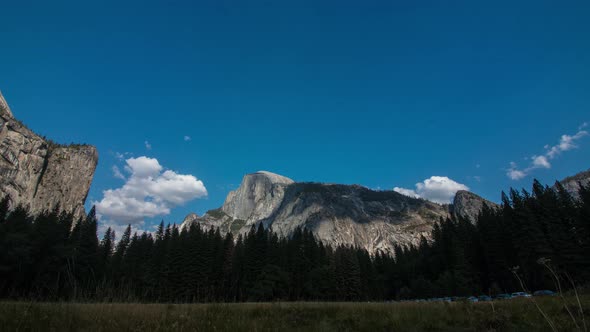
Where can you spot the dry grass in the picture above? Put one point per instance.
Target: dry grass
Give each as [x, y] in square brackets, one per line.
[516, 315]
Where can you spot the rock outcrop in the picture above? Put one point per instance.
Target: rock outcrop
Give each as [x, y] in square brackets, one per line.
[468, 205]
[572, 183]
[336, 214]
[40, 174]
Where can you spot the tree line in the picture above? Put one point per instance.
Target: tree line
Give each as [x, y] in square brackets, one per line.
[54, 257]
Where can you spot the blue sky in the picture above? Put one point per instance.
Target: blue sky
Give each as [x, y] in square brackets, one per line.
[384, 94]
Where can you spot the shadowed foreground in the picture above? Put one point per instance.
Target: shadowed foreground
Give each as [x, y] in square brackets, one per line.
[516, 315]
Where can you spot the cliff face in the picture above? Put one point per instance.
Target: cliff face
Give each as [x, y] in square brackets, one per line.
[572, 183]
[336, 214]
[468, 205]
[41, 174]
[257, 197]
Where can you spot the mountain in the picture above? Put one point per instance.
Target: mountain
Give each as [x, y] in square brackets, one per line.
[468, 205]
[336, 214]
[39, 173]
[342, 214]
[572, 183]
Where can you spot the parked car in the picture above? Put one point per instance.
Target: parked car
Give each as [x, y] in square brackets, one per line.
[473, 299]
[544, 293]
[484, 298]
[521, 294]
[504, 297]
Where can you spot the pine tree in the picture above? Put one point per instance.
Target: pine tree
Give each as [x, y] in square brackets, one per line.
[4, 208]
[106, 249]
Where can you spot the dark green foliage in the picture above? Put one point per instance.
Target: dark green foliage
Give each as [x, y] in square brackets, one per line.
[46, 258]
[470, 259]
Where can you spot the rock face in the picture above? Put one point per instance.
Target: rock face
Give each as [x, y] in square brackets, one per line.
[257, 197]
[468, 205]
[336, 214]
[572, 183]
[39, 173]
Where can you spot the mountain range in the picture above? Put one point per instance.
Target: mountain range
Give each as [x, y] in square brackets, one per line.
[42, 175]
[336, 214]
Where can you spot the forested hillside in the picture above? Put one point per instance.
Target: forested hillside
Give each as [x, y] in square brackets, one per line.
[44, 258]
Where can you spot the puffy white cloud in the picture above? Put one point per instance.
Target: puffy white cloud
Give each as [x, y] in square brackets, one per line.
[566, 143]
[148, 193]
[439, 189]
[143, 167]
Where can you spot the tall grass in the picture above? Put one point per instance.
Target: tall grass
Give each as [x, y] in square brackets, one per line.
[515, 315]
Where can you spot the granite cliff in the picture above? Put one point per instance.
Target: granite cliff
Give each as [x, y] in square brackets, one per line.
[40, 174]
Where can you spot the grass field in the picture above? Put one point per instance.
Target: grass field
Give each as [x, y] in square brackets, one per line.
[515, 315]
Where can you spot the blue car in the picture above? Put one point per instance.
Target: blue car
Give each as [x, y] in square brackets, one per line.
[545, 293]
[504, 297]
[473, 299]
[484, 298]
[521, 294]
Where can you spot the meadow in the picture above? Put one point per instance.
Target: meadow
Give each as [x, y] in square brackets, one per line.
[513, 315]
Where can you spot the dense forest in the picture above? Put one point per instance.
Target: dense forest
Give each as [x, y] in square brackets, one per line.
[53, 257]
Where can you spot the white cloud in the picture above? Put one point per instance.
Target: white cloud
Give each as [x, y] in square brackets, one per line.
[147, 145]
[117, 173]
[514, 173]
[143, 167]
[439, 189]
[407, 192]
[187, 138]
[541, 162]
[566, 143]
[148, 193]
